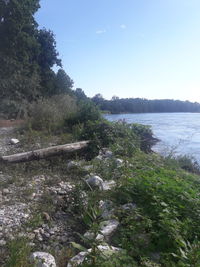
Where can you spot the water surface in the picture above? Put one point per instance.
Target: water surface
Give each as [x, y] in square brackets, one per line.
[179, 132]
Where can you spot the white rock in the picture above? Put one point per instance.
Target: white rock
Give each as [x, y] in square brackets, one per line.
[95, 181]
[107, 209]
[72, 164]
[78, 259]
[88, 167]
[108, 185]
[2, 242]
[106, 250]
[129, 206]
[42, 259]
[107, 229]
[89, 235]
[99, 158]
[108, 154]
[14, 141]
[6, 191]
[119, 162]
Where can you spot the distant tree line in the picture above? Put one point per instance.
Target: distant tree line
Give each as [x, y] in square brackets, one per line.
[142, 105]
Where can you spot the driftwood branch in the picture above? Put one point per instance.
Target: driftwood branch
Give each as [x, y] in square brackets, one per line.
[45, 152]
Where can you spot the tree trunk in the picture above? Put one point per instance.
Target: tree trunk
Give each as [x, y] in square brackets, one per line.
[45, 152]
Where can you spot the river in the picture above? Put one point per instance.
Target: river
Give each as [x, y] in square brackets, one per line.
[179, 133]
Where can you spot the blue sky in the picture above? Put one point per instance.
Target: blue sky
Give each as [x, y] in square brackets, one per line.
[128, 48]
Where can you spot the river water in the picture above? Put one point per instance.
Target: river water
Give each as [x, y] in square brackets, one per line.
[179, 133]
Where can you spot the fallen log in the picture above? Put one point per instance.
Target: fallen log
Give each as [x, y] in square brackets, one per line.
[44, 152]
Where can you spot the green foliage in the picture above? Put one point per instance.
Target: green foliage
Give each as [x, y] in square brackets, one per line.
[49, 114]
[18, 86]
[95, 257]
[64, 83]
[105, 133]
[185, 162]
[146, 136]
[124, 138]
[142, 105]
[27, 56]
[17, 29]
[48, 55]
[19, 78]
[79, 93]
[87, 112]
[166, 217]
[19, 253]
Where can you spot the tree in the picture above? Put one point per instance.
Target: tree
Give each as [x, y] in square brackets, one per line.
[27, 54]
[19, 78]
[18, 29]
[79, 93]
[48, 55]
[98, 100]
[64, 83]
[47, 58]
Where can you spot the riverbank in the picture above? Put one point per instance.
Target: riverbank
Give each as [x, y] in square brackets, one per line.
[179, 133]
[149, 203]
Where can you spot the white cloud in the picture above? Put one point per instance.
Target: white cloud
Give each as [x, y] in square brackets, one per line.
[123, 26]
[100, 31]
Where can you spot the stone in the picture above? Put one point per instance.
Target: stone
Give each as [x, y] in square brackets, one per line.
[88, 167]
[14, 141]
[47, 235]
[106, 250]
[42, 259]
[46, 216]
[119, 162]
[107, 229]
[72, 164]
[95, 181]
[89, 235]
[107, 209]
[31, 236]
[99, 158]
[108, 185]
[155, 256]
[78, 259]
[129, 206]
[108, 154]
[2, 242]
[6, 191]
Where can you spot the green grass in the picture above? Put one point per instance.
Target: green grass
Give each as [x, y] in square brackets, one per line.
[163, 229]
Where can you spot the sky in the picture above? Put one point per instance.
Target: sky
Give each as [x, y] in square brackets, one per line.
[128, 48]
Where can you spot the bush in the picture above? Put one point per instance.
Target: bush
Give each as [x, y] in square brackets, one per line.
[184, 162]
[13, 109]
[166, 218]
[124, 138]
[49, 114]
[146, 136]
[87, 111]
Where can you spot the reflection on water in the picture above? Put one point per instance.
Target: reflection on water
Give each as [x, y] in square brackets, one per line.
[178, 132]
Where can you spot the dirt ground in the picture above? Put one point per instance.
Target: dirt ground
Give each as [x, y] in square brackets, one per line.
[10, 123]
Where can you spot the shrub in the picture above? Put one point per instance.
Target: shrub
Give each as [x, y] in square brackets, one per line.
[87, 111]
[49, 114]
[125, 138]
[166, 218]
[184, 162]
